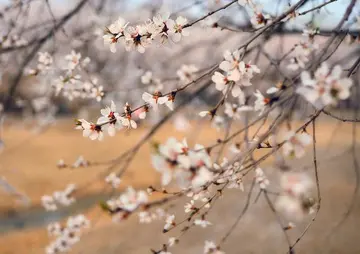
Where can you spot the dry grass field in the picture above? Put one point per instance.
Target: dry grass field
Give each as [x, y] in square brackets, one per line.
[29, 163]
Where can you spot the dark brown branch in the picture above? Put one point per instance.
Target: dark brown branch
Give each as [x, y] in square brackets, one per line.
[340, 118]
[31, 55]
[317, 187]
[272, 208]
[210, 13]
[317, 7]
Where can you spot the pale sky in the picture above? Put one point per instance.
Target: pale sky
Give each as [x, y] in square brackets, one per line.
[331, 14]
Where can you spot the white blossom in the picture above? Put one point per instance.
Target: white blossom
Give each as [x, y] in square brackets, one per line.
[176, 30]
[127, 121]
[48, 203]
[248, 70]
[136, 38]
[260, 19]
[295, 143]
[110, 116]
[202, 223]
[145, 217]
[160, 26]
[261, 178]
[202, 177]
[274, 89]
[113, 179]
[129, 201]
[61, 164]
[115, 31]
[146, 78]
[68, 235]
[189, 206]
[154, 99]
[64, 197]
[166, 162]
[73, 60]
[205, 113]
[235, 111]
[326, 88]
[231, 62]
[236, 71]
[54, 229]
[291, 207]
[218, 122]
[261, 102]
[45, 61]
[172, 241]
[296, 184]
[187, 72]
[91, 130]
[221, 81]
[211, 248]
[80, 162]
[169, 222]
[142, 112]
[98, 92]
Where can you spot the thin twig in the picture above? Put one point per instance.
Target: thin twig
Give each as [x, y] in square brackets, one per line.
[317, 188]
[317, 7]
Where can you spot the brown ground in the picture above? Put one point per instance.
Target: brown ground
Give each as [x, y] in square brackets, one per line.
[29, 163]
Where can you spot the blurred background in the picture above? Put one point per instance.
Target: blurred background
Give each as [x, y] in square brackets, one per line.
[38, 128]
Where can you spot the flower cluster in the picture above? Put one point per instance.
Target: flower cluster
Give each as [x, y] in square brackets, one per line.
[126, 203]
[303, 50]
[147, 216]
[160, 28]
[261, 102]
[67, 235]
[154, 97]
[109, 120]
[236, 110]
[45, 61]
[211, 248]
[276, 88]
[80, 162]
[174, 160]
[157, 98]
[295, 143]
[294, 201]
[202, 223]
[113, 179]
[259, 18]
[236, 73]
[7, 41]
[50, 203]
[261, 179]
[186, 73]
[326, 88]
[229, 173]
[153, 84]
[169, 222]
[191, 207]
[70, 83]
[191, 170]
